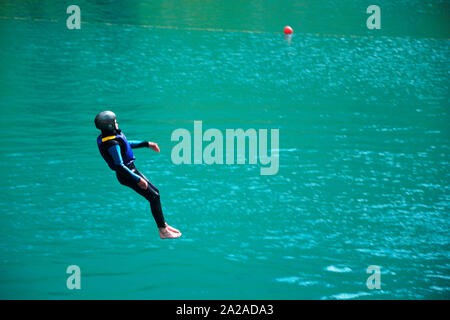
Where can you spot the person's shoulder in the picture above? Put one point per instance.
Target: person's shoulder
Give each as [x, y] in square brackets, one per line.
[109, 143]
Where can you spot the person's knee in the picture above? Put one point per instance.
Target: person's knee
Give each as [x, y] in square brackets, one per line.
[154, 196]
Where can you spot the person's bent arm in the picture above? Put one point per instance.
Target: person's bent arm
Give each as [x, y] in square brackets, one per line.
[114, 151]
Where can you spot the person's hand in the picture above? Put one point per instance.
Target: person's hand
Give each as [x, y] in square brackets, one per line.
[142, 184]
[153, 146]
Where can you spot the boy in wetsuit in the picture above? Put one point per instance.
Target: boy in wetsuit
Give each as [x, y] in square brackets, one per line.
[116, 150]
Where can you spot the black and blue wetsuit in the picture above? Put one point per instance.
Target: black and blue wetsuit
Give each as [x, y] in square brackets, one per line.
[116, 150]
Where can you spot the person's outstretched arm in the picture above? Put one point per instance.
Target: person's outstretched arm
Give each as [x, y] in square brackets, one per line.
[138, 144]
[141, 144]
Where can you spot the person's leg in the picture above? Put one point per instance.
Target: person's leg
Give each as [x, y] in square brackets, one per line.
[156, 203]
[152, 195]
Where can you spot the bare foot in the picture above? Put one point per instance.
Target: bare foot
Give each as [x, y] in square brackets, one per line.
[172, 229]
[165, 233]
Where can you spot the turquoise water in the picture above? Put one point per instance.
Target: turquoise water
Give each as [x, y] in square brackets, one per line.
[364, 150]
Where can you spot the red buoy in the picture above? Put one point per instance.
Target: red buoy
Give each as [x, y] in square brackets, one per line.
[288, 30]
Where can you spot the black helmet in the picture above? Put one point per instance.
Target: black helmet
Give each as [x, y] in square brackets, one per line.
[105, 120]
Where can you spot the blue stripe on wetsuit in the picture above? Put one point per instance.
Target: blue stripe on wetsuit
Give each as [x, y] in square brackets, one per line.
[138, 144]
[114, 151]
